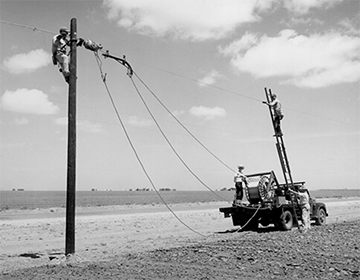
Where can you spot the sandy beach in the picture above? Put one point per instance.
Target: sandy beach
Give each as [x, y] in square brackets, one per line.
[36, 237]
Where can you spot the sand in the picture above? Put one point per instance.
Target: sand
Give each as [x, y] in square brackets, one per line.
[37, 237]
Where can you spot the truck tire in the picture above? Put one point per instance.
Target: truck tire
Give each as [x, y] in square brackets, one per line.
[286, 221]
[321, 217]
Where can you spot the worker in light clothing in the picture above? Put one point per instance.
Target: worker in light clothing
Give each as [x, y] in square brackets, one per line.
[276, 105]
[59, 52]
[239, 179]
[304, 203]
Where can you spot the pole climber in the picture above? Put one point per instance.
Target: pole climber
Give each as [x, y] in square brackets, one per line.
[59, 52]
[60, 55]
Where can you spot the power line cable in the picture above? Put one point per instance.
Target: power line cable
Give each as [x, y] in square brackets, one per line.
[178, 121]
[245, 96]
[28, 27]
[130, 70]
[192, 79]
[169, 143]
[203, 83]
[103, 77]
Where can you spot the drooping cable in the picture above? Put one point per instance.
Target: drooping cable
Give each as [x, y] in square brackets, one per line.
[169, 143]
[103, 77]
[184, 127]
[248, 221]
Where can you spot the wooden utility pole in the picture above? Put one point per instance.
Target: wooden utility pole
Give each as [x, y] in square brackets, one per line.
[71, 166]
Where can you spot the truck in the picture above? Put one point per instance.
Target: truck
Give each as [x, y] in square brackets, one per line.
[269, 202]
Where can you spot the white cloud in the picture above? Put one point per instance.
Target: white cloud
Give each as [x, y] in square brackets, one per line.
[210, 78]
[31, 101]
[195, 20]
[178, 113]
[314, 61]
[140, 122]
[207, 113]
[303, 6]
[83, 125]
[27, 62]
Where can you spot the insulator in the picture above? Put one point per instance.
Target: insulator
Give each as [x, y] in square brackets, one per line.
[92, 46]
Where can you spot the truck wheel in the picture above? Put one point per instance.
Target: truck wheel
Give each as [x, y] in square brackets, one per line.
[286, 221]
[321, 217]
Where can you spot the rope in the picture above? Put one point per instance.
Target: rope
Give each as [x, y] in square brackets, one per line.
[241, 228]
[177, 120]
[171, 146]
[134, 150]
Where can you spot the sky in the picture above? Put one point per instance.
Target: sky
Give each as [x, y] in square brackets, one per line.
[208, 63]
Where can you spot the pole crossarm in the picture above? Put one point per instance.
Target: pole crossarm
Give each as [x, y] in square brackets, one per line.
[121, 61]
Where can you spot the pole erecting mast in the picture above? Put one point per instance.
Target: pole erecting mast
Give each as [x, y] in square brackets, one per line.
[284, 161]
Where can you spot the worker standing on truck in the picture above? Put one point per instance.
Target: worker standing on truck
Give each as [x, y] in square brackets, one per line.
[239, 179]
[276, 105]
[304, 203]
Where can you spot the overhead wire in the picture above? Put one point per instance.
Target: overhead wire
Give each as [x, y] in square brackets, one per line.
[160, 129]
[103, 77]
[184, 127]
[205, 84]
[246, 96]
[192, 79]
[28, 27]
[169, 143]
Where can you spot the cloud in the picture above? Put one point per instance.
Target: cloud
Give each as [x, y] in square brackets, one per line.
[195, 20]
[84, 125]
[178, 113]
[136, 121]
[303, 6]
[27, 62]
[21, 121]
[349, 26]
[207, 113]
[30, 101]
[314, 61]
[210, 78]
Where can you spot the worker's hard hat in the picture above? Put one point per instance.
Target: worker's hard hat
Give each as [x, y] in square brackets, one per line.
[64, 30]
[241, 166]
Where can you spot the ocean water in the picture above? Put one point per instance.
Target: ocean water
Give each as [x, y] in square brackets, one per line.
[49, 199]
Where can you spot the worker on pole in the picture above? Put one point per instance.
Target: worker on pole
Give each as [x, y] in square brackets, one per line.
[60, 56]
